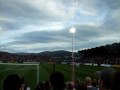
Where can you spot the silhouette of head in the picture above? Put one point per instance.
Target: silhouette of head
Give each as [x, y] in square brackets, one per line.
[57, 80]
[12, 82]
[116, 82]
[106, 76]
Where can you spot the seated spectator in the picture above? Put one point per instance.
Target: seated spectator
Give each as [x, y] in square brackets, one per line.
[57, 81]
[116, 81]
[105, 79]
[13, 82]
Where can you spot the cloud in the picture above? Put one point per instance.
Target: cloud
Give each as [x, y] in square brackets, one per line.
[23, 14]
[40, 25]
[54, 39]
[112, 4]
[43, 37]
[28, 12]
[112, 20]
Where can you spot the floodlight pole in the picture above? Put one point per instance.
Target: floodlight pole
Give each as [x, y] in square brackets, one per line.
[72, 30]
[73, 66]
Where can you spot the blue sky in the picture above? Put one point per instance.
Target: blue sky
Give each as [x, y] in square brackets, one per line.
[43, 25]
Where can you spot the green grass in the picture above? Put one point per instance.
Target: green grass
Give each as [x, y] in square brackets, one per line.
[29, 72]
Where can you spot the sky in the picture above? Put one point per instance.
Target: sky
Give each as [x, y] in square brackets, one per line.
[43, 25]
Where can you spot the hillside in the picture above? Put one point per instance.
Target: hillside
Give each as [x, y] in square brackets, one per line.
[60, 53]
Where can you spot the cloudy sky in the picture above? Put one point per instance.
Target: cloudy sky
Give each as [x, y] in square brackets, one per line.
[43, 25]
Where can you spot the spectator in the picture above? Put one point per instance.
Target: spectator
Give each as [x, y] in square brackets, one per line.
[24, 86]
[57, 81]
[81, 86]
[13, 82]
[88, 83]
[116, 82]
[105, 79]
[77, 82]
[40, 86]
[47, 86]
[70, 86]
[94, 83]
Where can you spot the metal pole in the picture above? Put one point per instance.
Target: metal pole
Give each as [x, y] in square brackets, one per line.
[73, 67]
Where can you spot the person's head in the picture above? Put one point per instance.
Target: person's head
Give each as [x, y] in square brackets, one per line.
[57, 80]
[116, 81]
[70, 86]
[24, 86]
[41, 85]
[81, 86]
[94, 82]
[47, 86]
[105, 78]
[13, 82]
[76, 83]
[88, 80]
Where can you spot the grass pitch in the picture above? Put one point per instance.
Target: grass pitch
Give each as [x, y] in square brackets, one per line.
[30, 72]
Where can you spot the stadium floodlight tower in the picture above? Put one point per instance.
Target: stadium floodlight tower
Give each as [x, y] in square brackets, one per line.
[72, 30]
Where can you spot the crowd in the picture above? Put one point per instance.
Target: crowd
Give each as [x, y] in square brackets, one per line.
[107, 79]
[24, 58]
[101, 60]
[6, 58]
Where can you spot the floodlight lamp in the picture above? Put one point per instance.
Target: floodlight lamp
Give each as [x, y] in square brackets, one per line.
[72, 30]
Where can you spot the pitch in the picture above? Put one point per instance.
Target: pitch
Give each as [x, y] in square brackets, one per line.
[29, 72]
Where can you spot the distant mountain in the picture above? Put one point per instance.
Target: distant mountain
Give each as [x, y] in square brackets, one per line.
[4, 53]
[59, 53]
[22, 53]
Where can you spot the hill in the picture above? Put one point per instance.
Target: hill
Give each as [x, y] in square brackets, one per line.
[59, 53]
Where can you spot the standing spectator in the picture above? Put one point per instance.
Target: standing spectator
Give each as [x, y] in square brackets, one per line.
[88, 83]
[94, 82]
[47, 86]
[116, 82]
[24, 86]
[13, 82]
[105, 79]
[70, 86]
[40, 86]
[81, 86]
[77, 82]
[57, 81]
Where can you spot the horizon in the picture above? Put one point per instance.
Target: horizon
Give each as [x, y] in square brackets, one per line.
[40, 52]
[42, 25]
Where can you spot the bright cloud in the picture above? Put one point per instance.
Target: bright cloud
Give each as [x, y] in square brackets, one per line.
[42, 25]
